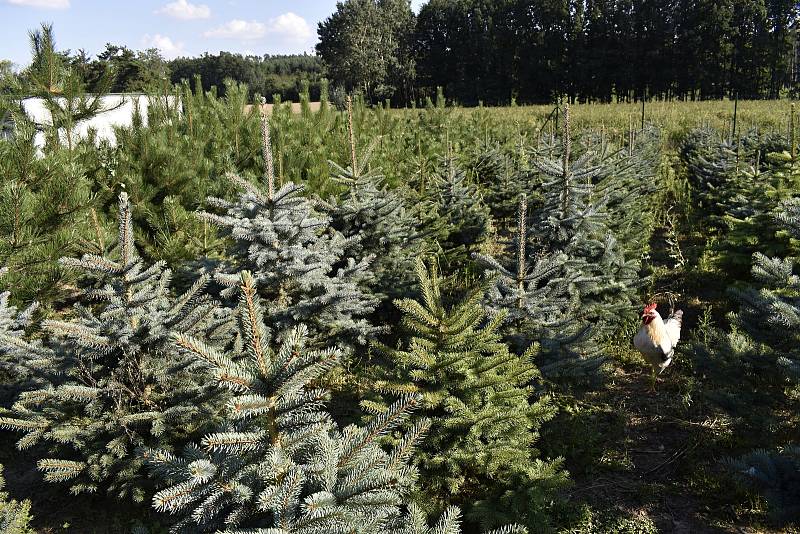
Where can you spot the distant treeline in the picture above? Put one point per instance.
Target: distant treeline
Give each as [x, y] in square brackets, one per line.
[268, 75]
[538, 50]
[501, 51]
[136, 71]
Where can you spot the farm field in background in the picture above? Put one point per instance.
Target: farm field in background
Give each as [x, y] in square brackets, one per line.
[674, 118]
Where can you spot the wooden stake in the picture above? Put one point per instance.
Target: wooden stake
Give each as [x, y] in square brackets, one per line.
[643, 98]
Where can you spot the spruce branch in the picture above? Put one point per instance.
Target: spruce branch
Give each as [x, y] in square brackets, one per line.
[266, 150]
[351, 135]
[522, 239]
[127, 250]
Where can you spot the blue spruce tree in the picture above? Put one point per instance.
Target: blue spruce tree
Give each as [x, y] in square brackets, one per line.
[534, 291]
[109, 379]
[278, 463]
[770, 314]
[297, 259]
[378, 224]
[13, 347]
[749, 371]
[465, 220]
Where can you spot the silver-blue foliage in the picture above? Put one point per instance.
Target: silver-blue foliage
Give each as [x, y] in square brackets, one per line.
[110, 379]
[279, 463]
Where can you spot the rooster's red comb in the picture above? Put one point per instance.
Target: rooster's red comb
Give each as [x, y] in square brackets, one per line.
[650, 307]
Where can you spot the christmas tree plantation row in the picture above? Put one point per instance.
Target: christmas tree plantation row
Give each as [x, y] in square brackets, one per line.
[357, 361]
[744, 356]
[62, 201]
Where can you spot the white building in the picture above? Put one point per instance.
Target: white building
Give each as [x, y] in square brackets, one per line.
[117, 111]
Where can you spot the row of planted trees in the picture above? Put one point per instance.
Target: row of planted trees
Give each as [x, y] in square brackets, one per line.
[745, 190]
[534, 241]
[271, 339]
[207, 391]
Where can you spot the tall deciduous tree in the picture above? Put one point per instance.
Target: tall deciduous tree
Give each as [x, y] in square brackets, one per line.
[538, 50]
[366, 45]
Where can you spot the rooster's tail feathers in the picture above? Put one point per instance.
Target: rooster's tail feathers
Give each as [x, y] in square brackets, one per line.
[673, 326]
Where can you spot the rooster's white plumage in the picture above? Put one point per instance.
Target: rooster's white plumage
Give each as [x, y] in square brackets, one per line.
[657, 338]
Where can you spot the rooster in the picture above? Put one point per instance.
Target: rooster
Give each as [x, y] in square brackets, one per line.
[657, 338]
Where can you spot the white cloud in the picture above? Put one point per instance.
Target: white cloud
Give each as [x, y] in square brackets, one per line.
[168, 48]
[181, 9]
[239, 29]
[288, 29]
[291, 27]
[44, 4]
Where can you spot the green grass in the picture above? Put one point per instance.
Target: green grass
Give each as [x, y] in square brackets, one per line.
[675, 118]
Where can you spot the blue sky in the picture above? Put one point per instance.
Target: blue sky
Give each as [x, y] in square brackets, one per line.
[176, 27]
